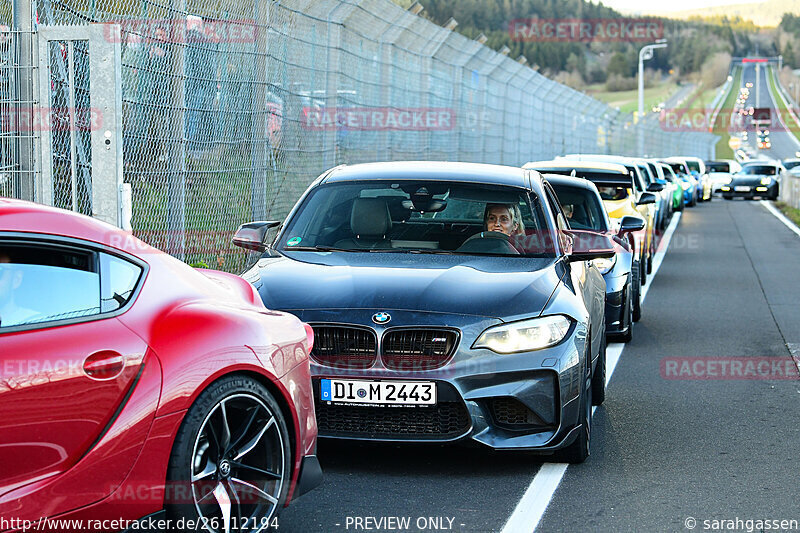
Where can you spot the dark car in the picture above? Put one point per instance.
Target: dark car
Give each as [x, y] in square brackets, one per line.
[429, 325]
[757, 178]
[136, 386]
[617, 187]
[581, 201]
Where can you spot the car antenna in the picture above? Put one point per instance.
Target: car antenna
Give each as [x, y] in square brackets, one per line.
[574, 173]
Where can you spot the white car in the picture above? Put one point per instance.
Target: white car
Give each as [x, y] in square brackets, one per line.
[720, 172]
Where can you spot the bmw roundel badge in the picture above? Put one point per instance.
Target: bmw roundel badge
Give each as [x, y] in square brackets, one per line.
[381, 318]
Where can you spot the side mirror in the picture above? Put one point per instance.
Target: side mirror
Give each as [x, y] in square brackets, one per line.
[646, 198]
[588, 245]
[252, 236]
[655, 187]
[630, 224]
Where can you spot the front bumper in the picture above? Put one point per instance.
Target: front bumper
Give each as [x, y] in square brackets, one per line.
[753, 192]
[310, 475]
[513, 401]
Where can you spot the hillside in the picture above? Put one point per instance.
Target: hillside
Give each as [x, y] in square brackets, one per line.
[766, 14]
[692, 43]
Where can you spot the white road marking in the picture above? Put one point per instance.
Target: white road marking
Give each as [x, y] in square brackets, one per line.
[780, 216]
[534, 502]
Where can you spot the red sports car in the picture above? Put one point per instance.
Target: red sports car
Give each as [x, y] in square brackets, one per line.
[133, 386]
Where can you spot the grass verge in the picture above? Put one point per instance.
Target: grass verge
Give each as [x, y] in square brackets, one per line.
[792, 213]
[628, 101]
[722, 124]
[788, 121]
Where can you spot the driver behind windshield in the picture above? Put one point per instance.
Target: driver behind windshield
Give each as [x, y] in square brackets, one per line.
[504, 218]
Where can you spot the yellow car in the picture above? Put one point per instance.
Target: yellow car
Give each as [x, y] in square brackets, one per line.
[623, 193]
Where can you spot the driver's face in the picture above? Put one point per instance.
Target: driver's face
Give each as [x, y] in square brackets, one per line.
[499, 219]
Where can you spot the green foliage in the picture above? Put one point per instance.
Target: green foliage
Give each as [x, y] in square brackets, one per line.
[618, 66]
[788, 55]
[199, 264]
[691, 42]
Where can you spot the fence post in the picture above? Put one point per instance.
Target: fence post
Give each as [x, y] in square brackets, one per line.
[22, 32]
[176, 175]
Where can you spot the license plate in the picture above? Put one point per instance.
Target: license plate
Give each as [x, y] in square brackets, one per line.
[741, 188]
[378, 392]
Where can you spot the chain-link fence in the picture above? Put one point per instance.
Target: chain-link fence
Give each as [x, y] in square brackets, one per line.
[231, 109]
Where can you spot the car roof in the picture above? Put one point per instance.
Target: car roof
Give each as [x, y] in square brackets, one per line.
[581, 164]
[436, 171]
[571, 181]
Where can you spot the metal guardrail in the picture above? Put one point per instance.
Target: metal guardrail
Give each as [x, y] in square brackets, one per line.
[790, 190]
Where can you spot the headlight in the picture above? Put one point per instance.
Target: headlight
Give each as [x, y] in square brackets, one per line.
[604, 265]
[726, 188]
[766, 181]
[525, 335]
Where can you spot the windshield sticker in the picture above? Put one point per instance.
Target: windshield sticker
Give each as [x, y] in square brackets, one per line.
[294, 241]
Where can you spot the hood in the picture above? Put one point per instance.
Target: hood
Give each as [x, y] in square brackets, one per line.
[465, 285]
[620, 208]
[749, 179]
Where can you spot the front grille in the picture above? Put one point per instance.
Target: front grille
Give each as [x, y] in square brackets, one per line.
[445, 421]
[344, 346]
[510, 413]
[418, 349]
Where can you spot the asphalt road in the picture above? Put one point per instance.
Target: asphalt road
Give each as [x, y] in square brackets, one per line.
[663, 449]
[666, 450]
[783, 145]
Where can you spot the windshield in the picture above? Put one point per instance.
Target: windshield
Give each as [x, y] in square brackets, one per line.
[408, 216]
[694, 166]
[718, 167]
[791, 164]
[648, 178]
[611, 185]
[582, 207]
[764, 170]
[669, 175]
[678, 168]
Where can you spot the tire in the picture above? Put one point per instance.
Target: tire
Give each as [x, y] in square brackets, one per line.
[599, 376]
[636, 294]
[257, 442]
[578, 451]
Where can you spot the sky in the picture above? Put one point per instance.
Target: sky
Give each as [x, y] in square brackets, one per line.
[672, 5]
